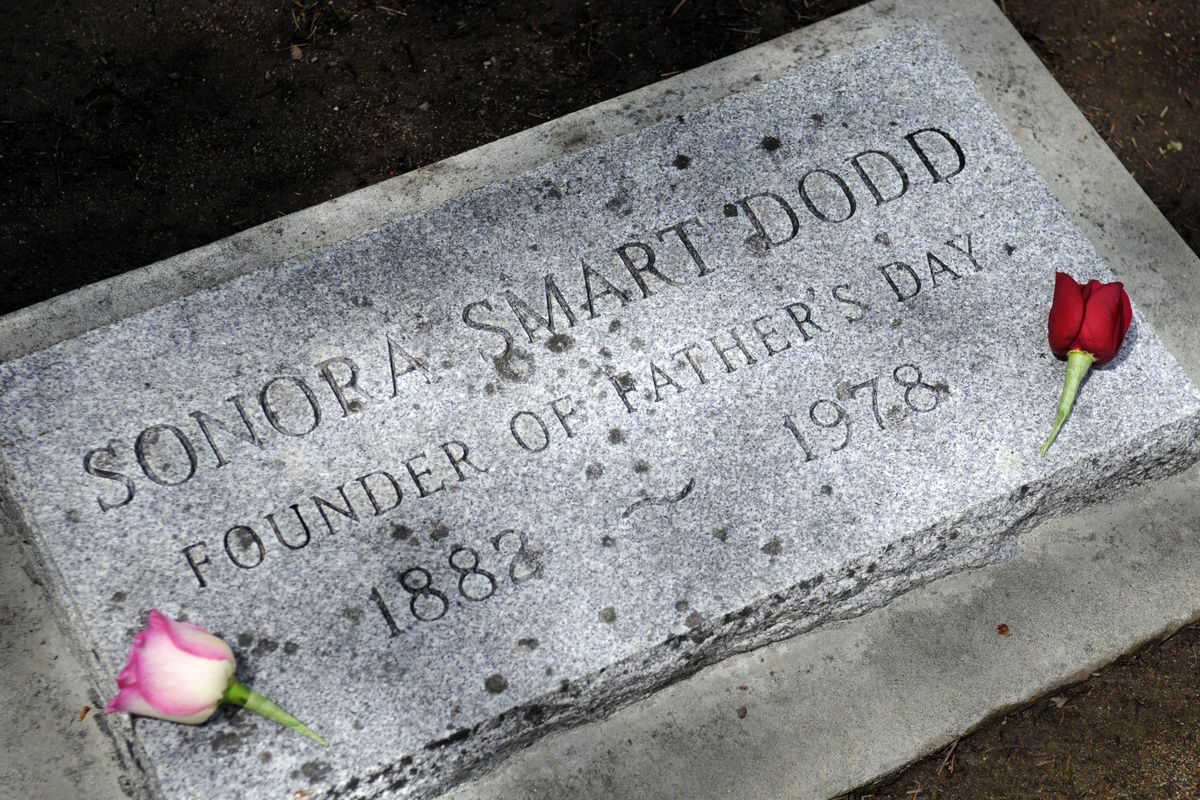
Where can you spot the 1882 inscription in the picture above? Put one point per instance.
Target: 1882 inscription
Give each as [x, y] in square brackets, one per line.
[520, 456]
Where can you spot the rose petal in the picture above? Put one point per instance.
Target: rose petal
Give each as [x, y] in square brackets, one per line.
[1126, 313]
[1104, 322]
[1066, 313]
[195, 640]
[175, 681]
[131, 701]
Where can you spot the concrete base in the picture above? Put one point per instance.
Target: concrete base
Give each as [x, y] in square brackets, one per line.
[826, 711]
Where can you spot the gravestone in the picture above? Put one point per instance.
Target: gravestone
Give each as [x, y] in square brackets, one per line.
[503, 465]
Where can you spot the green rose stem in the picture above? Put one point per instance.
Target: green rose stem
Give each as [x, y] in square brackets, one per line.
[1078, 364]
[238, 695]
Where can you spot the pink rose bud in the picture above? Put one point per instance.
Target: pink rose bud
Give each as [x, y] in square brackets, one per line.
[180, 672]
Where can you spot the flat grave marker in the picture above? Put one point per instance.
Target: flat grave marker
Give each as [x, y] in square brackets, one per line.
[505, 464]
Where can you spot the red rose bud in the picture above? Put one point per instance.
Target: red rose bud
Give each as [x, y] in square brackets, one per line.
[1088, 323]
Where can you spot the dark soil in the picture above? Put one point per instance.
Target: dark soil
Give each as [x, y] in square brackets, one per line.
[132, 130]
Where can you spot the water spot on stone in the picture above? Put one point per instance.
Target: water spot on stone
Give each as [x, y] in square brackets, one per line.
[605, 352]
[439, 531]
[401, 532]
[941, 387]
[495, 684]
[554, 193]
[681, 605]
[594, 471]
[826, 489]
[559, 343]
[528, 644]
[354, 404]
[74, 515]
[616, 436]
[681, 161]
[730, 210]
[896, 323]
[357, 724]
[244, 542]
[641, 467]
[883, 239]
[516, 365]
[757, 244]
[608, 541]
[614, 326]
[636, 343]
[290, 648]
[245, 640]
[773, 547]
[872, 567]
[721, 534]
[118, 597]
[224, 742]
[489, 388]
[742, 712]
[694, 620]
[549, 671]
[265, 756]
[819, 119]
[608, 615]
[1009, 249]
[355, 615]
[315, 771]
[770, 144]
[265, 647]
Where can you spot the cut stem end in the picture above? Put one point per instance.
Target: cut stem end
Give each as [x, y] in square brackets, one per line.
[238, 695]
[1078, 364]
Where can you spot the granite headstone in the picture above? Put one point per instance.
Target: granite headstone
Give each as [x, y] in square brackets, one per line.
[508, 463]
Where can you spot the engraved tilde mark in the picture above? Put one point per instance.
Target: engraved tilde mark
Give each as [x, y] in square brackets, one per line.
[660, 501]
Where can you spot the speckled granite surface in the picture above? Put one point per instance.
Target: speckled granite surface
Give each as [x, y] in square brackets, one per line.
[724, 446]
